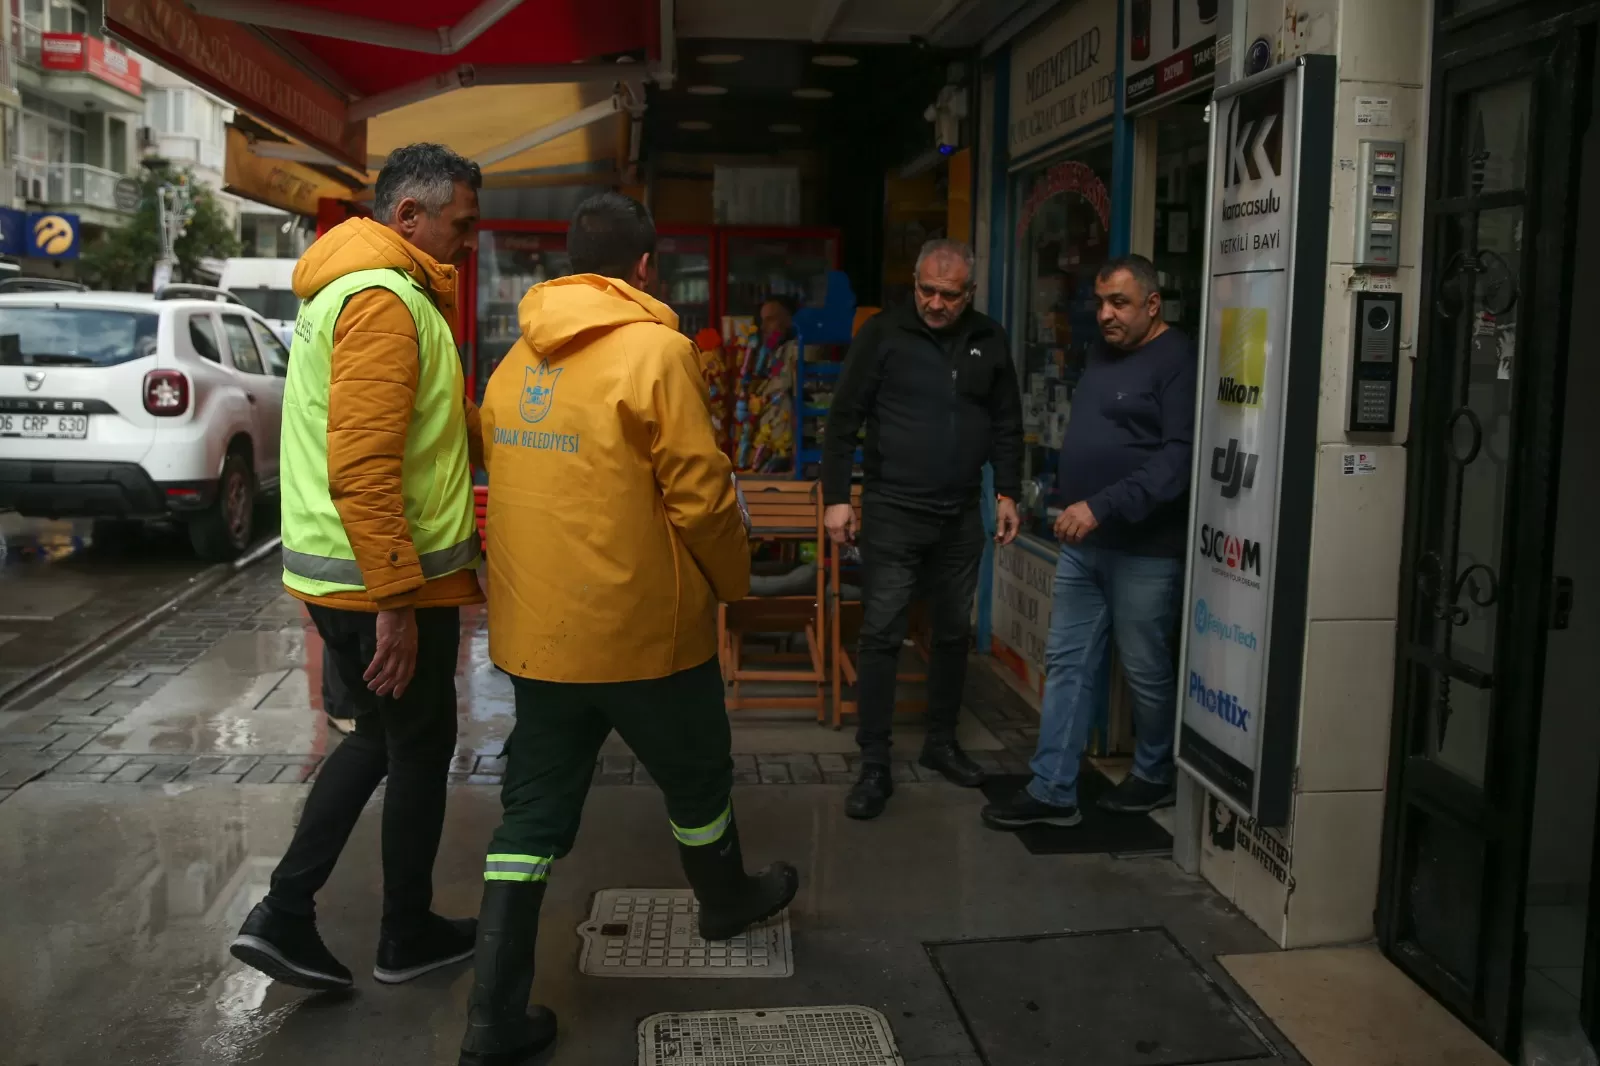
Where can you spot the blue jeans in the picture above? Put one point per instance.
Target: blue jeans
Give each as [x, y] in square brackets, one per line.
[1134, 599]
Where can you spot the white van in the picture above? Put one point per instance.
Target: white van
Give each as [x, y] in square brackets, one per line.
[265, 286]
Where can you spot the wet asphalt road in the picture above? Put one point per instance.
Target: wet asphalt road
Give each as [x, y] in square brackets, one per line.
[61, 586]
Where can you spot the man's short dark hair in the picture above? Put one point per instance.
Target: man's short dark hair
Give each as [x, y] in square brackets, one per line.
[609, 234]
[424, 172]
[1143, 271]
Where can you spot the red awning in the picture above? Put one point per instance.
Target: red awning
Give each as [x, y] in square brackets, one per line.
[319, 68]
[534, 32]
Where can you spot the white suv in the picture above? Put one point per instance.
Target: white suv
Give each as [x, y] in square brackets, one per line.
[132, 406]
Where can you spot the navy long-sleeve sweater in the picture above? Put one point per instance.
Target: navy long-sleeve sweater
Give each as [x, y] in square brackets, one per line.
[1128, 443]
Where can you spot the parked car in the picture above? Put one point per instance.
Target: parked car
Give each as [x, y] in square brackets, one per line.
[137, 406]
[266, 286]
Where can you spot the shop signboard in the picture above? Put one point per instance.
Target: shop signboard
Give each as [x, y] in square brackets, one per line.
[242, 68]
[79, 53]
[1168, 47]
[53, 235]
[13, 232]
[1063, 76]
[293, 187]
[1024, 576]
[1256, 435]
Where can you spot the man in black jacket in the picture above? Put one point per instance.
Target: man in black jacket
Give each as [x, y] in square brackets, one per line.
[934, 384]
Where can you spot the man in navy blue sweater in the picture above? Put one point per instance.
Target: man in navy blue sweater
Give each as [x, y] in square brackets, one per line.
[1125, 467]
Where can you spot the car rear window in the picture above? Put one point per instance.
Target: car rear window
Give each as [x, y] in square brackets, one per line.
[278, 304]
[74, 336]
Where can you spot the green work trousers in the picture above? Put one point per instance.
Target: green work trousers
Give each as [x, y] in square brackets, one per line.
[677, 726]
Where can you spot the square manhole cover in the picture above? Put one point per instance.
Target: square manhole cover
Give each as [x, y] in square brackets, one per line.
[653, 932]
[795, 1036]
[1123, 997]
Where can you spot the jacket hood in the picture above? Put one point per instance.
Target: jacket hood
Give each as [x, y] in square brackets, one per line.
[556, 313]
[362, 244]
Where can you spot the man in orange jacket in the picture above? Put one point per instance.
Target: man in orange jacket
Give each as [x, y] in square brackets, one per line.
[379, 540]
[614, 529]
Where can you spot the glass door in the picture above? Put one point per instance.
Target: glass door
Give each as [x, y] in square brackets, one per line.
[1475, 592]
[510, 262]
[776, 263]
[684, 266]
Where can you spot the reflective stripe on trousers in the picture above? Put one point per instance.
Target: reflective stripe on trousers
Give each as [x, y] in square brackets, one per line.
[516, 868]
[348, 572]
[705, 834]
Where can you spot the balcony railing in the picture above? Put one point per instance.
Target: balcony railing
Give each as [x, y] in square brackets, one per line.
[25, 38]
[67, 183]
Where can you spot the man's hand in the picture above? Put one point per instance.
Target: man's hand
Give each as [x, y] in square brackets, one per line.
[840, 521]
[395, 660]
[1075, 523]
[1006, 521]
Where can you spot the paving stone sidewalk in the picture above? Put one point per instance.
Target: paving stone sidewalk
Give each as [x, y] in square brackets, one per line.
[43, 740]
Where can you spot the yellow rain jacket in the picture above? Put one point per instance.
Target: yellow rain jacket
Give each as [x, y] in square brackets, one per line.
[613, 526]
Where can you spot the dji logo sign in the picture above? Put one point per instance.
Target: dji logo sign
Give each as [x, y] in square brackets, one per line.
[1233, 469]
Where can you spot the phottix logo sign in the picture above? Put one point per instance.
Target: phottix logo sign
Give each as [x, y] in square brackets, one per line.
[1208, 624]
[1236, 558]
[1225, 705]
[1233, 469]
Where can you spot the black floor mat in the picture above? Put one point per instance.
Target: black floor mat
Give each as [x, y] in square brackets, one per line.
[1099, 832]
[1123, 997]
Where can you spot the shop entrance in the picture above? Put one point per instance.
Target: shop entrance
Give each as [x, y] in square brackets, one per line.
[1487, 891]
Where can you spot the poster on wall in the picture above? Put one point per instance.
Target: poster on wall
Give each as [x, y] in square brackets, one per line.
[1169, 45]
[1255, 435]
[1024, 579]
[1063, 76]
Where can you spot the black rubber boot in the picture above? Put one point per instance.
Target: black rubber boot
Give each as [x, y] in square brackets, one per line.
[502, 1030]
[731, 901]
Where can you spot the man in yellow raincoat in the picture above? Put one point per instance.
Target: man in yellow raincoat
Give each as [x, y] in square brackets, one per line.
[614, 529]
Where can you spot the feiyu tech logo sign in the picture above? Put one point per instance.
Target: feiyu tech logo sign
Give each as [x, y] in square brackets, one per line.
[1255, 137]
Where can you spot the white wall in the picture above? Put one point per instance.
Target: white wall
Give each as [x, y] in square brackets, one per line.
[1316, 883]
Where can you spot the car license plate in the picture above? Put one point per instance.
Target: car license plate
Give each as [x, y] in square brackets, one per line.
[64, 427]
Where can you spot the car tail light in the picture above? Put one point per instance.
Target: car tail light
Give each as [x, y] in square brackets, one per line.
[166, 393]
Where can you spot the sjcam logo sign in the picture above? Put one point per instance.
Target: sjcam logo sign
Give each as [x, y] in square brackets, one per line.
[1255, 137]
[53, 236]
[1235, 558]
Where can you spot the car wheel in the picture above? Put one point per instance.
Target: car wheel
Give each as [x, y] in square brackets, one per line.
[225, 529]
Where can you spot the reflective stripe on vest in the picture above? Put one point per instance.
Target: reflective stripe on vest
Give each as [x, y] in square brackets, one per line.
[347, 572]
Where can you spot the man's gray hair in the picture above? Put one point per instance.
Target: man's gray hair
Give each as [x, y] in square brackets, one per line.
[426, 173]
[943, 246]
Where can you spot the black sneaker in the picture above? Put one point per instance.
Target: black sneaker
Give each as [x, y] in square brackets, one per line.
[1022, 811]
[1137, 796]
[871, 792]
[287, 948]
[439, 942]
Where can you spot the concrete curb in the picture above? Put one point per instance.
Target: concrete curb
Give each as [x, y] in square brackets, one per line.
[98, 647]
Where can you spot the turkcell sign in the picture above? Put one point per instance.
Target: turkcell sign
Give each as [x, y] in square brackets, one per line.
[1244, 471]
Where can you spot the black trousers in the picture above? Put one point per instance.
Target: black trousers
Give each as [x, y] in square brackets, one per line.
[410, 740]
[908, 554]
[677, 726]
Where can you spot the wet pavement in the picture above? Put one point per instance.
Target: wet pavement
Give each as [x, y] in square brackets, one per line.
[61, 587]
[143, 807]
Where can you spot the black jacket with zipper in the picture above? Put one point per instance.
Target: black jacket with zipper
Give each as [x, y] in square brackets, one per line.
[936, 406]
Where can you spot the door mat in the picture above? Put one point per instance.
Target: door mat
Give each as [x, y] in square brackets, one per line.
[1099, 833]
[654, 932]
[1121, 997]
[796, 1036]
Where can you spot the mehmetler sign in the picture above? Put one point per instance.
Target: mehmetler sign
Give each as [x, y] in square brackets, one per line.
[1255, 435]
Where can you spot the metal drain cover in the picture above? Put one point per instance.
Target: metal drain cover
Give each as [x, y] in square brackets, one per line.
[794, 1036]
[652, 932]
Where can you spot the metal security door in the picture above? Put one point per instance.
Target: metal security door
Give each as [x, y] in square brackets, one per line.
[1481, 502]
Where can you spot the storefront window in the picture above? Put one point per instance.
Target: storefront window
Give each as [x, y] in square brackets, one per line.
[1063, 224]
[1179, 255]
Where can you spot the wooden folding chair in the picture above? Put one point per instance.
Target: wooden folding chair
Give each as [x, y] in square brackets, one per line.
[844, 628]
[789, 512]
